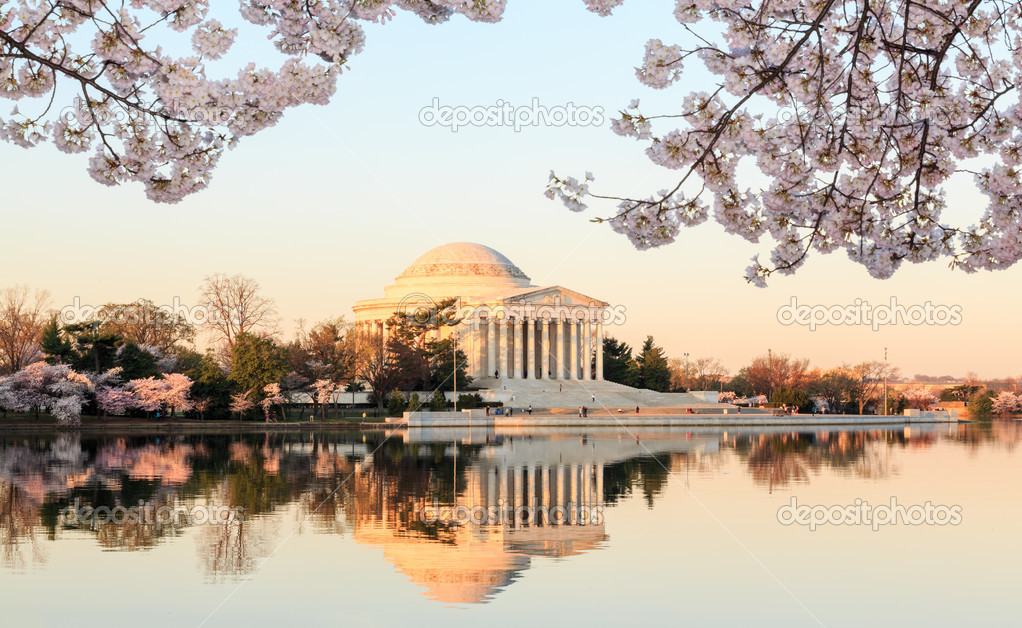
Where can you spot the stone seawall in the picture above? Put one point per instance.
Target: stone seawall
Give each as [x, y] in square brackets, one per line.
[469, 419]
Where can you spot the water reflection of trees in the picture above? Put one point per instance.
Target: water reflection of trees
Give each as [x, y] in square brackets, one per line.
[334, 483]
[648, 474]
[18, 522]
[777, 460]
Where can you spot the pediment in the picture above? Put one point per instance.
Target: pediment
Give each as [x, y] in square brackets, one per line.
[550, 295]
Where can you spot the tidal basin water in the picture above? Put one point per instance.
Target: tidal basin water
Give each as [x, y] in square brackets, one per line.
[560, 527]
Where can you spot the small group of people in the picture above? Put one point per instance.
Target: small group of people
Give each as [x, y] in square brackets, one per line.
[583, 411]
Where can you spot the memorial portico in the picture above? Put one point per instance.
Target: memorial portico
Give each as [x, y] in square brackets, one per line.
[509, 327]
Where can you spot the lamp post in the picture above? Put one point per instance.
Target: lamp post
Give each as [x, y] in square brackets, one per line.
[686, 372]
[885, 382]
[454, 356]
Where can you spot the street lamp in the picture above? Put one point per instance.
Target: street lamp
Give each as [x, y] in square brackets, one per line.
[686, 372]
[454, 355]
[885, 382]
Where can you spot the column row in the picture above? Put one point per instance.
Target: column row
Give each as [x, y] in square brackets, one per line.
[538, 349]
[541, 494]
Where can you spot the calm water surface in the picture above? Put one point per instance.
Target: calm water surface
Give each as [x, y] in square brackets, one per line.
[672, 527]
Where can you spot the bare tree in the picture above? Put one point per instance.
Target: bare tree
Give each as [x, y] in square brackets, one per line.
[145, 323]
[22, 318]
[707, 373]
[703, 373]
[385, 366]
[777, 370]
[869, 381]
[237, 307]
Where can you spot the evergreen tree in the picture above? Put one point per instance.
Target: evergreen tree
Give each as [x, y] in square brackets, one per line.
[396, 403]
[55, 345]
[441, 366]
[414, 403]
[653, 371]
[618, 365]
[211, 384]
[135, 362]
[438, 403]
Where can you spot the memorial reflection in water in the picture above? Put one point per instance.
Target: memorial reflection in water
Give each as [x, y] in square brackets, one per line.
[462, 515]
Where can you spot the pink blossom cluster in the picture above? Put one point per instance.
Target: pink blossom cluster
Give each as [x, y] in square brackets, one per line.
[1007, 403]
[40, 385]
[63, 392]
[273, 397]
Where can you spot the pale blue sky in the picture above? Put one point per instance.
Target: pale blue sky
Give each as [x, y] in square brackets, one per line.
[331, 204]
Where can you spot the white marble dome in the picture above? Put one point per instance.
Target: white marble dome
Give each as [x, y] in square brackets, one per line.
[458, 269]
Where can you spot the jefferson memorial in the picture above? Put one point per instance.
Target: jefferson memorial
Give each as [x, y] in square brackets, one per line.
[511, 329]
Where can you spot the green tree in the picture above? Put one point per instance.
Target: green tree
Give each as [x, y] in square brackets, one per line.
[469, 401]
[55, 345]
[415, 322]
[84, 346]
[211, 384]
[792, 397]
[187, 360]
[441, 365]
[618, 365]
[981, 405]
[438, 402]
[325, 351]
[256, 362]
[959, 393]
[396, 403]
[135, 362]
[836, 387]
[740, 384]
[414, 403]
[654, 372]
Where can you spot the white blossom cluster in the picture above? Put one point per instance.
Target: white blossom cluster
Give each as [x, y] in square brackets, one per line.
[63, 392]
[657, 220]
[57, 388]
[858, 113]
[569, 191]
[1007, 403]
[160, 120]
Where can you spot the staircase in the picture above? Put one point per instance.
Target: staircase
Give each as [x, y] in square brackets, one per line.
[561, 393]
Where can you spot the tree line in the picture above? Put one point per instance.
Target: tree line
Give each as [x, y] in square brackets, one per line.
[140, 359]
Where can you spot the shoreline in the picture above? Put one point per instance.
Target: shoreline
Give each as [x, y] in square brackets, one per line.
[525, 422]
[187, 426]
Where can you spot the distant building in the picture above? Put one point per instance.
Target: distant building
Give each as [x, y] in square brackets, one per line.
[511, 327]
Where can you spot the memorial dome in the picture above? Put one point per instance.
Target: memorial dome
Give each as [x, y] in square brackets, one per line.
[460, 268]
